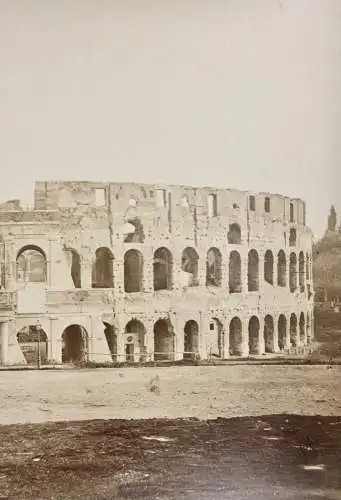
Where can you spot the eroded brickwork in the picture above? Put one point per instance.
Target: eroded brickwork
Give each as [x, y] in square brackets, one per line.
[129, 272]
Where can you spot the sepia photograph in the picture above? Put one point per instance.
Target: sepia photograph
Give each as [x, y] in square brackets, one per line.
[170, 249]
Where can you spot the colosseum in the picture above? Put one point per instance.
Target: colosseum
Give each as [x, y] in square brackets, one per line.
[113, 272]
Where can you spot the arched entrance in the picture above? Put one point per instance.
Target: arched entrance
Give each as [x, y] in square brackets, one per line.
[31, 339]
[269, 334]
[308, 329]
[215, 340]
[235, 273]
[111, 338]
[134, 347]
[190, 265]
[213, 267]
[235, 334]
[253, 271]
[191, 339]
[293, 272]
[281, 269]
[269, 267]
[293, 330]
[282, 331]
[254, 335]
[133, 271]
[31, 265]
[102, 269]
[163, 341]
[75, 344]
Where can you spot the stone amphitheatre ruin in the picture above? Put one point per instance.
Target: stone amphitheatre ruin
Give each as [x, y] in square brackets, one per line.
[128, 272]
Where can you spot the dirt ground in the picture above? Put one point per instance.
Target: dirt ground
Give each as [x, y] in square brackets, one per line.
[203, 392]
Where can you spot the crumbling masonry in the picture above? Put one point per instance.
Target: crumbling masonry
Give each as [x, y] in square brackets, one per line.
[126, 272]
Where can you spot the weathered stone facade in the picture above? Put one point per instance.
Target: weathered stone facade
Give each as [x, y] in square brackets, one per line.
[141, 272]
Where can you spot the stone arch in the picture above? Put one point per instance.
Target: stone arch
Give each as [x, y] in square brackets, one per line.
[293, 272]
[190, 265]
[302, 328]
[215, 339]
[136, 234]
[235, 273]
[28, 339]
[308, 328]
[75, 341]
[31, 264]
[269, 267]
[235, 337]
[102, 269]
[254, 327]
[301, 271]
[253, 271]
[281, 269]
[191, 339]
[234, 235]
[163, 269]
[134, 346]
[213, 267]
[293, 330]
[75, 268]
[163, 340]
[269, 331]
[133, 271]
[111, 338]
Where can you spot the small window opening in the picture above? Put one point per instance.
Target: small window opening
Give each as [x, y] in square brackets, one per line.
[211, 326]
[252, 203]
[212, 205]
[267, 204]
[100, 197]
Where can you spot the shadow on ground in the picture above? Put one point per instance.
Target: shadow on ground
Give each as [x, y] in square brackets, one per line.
[281, 456]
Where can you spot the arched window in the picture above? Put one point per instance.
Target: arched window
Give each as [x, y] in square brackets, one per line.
[253, 271]
[31, 265]
[189, 264]
[162, 268]
[102, 269]
[133, 271]
[281, 269]
[293, 272]
[269, 267]
[213, 267]
[301, 271]
[235, 273]
[234, 236]
[163, 340]
[235, 337]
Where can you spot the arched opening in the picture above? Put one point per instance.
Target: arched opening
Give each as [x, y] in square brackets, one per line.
[133, 271]
[163, 341]
[191, 339]
[293, 330]
[281, 269]
[302, 328]
[235, 334]
[213, 267]
[269, 334]
[111, 338]
[76, 269]
[253, 271]
[102, 269]
[293, 272]
[301, 271]
[282, 331]
[292, 237]
[234, 236]
[31, 339]
[31, 265]
[189, 264]
[134, 347]
[235, 273]
[135, 232]
[269, 267]
[162, 269]
[254, 335]
[215, 339]
[75, 344]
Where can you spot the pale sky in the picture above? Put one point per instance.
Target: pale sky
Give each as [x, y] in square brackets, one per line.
[231, 93]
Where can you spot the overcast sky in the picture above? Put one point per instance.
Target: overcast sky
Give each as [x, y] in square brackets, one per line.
[228, 93]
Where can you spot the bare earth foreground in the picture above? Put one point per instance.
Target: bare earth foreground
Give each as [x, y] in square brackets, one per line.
[274, 449]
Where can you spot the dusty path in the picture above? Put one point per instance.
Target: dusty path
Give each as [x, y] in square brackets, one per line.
[186, 391]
